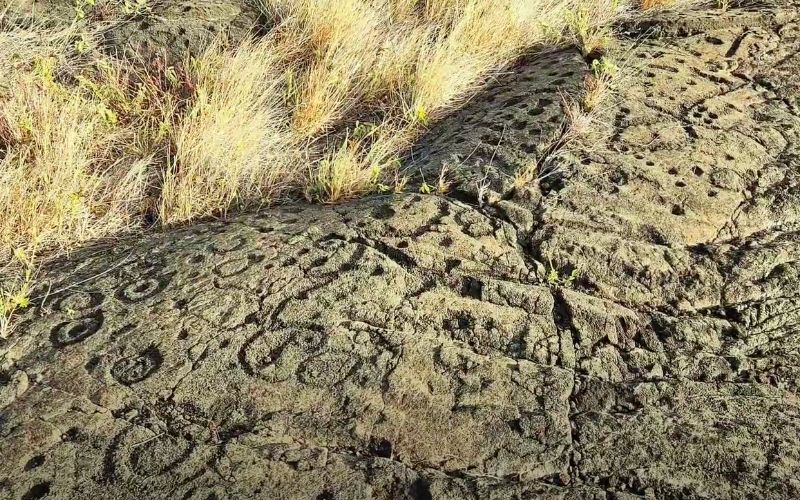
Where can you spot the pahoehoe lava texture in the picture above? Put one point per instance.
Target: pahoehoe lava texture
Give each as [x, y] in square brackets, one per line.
[514, 123]
[409, 346]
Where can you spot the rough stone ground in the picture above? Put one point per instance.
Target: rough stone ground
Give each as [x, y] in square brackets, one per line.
[170, 27]
[410, 346]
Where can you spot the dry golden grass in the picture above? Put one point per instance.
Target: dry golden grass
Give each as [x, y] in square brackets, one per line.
[231, 145]
[484, 37]
[323, 106]
[402, 64]
[53, 193]
[655, 4]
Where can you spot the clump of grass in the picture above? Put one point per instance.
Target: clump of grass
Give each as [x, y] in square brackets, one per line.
[526, 175]
[231, 145]
[15, 288]
[582, 112]
[654, 4]
[588, 24]
[92, 146]
[597, 84]
[343, 37]
[63, 179]
[561, 280]
[363, 163]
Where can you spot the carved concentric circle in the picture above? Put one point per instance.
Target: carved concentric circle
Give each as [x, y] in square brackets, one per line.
[159, 456]
[235, 267]
[72, 332]
[135, 454]
[143, 288]
[135, 369]
[276, 355]
[80, 301]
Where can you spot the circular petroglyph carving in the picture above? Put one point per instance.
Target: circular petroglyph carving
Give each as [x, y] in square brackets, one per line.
[228, 244]
[327, 369]
[143, 288]
[276, 355]
[131, 370]
[80, 301]
[234, 267]
[72, 332]
[141, 453]
[160, 455]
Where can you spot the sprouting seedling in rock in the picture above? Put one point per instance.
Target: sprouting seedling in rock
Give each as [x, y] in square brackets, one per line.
[555, 278]
[136, 7]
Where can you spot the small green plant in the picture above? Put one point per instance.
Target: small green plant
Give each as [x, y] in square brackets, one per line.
[398, 184]
[598, 84]
[421, 115]
[108, 114]
[82, 45]
[44, 69]
[135, 7]
[81, 7]
[16, 295]
[555, 279]
[589, 38]
[25, 125]
[550, 32]
[363, 130]
[604, 67]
